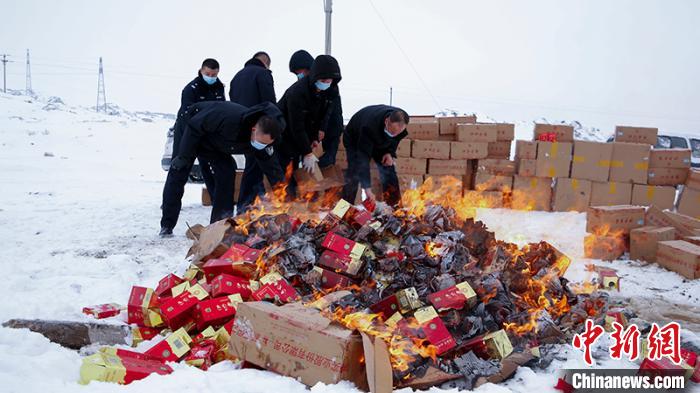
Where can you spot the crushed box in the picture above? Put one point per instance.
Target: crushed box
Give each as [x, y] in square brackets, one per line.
[646, 135]
[659, 196]
[571, 194]
[591, 160]
[630, 162]
[488, 182]
[610, 193]
[680, 256]
[644, 241]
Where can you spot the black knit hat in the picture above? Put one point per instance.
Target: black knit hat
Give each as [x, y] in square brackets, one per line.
[300, 60]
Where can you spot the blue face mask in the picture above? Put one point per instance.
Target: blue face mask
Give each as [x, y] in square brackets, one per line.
[300, 75]
[257, 145]
[322, 86]
[389, 134]
[209, 79]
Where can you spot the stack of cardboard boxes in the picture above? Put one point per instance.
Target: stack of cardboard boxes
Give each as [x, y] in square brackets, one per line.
[689, 201]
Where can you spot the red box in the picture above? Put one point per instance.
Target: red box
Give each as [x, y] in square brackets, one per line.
[101, 311]
[202, 355]
[434, 329]
[172, 348]
[330, 279]
[276, 288]
[226, 284]
[178, 311]
[241, 253]
[334, 261]
[453, 298]
[166, 284]
[141, 300]
[495, 345]
[140, 334]
[386, 307]
[343, 246]
[215, 267]
[217, 311]
[403, 301]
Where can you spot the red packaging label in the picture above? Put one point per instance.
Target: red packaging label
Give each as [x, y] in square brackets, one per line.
[201, 356]
[279, 291]
[438, 335]
[361, 217]
[386, 307]
[214, 267]
[225, 284]
[453, 298]
[137, 369]
[214, 312]
[242, 253]
[334, 261]
[178, 311]
[166, 284]
[331, 279]
[101, 311]
[343, 246]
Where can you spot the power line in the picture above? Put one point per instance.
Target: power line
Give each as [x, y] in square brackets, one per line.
[101, 95]
[4, 72]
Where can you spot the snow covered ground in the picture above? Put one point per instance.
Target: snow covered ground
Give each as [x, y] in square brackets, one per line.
[79, 217]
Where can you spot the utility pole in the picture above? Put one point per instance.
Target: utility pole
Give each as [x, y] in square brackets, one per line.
[328, 8]
[4, 73]
[391, 95]
[28, 84]
[101, 96]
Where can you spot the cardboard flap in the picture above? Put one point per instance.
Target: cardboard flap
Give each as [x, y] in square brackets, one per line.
[380, 377]
[210, 238]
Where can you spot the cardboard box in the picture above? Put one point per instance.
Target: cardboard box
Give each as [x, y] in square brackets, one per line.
[681, 257]
[659, 196]
[610, 193]
[563, 132]
[449, 124]
[425, 128]
[554, 150]
[532, 193]
[499, 149]
[526, 149]
[604, 247]
[613, 218]
[496, 166]
[403, 150]
[468, 150]
[527, 167]
[689, 203]
[558, 168]
[299, 342]
[644, 241]
[693, 179]
[430, 149]
[571, 195]
[630, 162]
[447, 167]
[591, 160]
[693, 239]
[488, 182]
[505, 132]
[477, 133]
[411, 166]
[667, 176]
[654, 216]
[669, 158]
[646, 135]
[682, 219]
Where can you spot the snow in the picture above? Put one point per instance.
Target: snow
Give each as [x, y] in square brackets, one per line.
[79, 217]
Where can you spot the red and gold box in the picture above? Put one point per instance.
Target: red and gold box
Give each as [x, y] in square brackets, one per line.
[340, 263]
[434, 329]
[140, 307]
[226, 284]
[123, 370]
[495, 345]
[125, 353]
[173, 347]
[140, 334]
[215, 312]
[453, 298]
[608, 279]
[202, 355]
[166, 284]
[343, 246]
[274, 287]
[614, 316]
[330, 279]
[404, 301]
[665, 366]
[215, 267]
[340, 209]
[178, 311]
[241, 253]
[101, 311]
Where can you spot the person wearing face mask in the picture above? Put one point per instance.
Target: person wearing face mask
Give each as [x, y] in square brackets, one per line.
[216, 130]
[300, 63]
[374, 133]
[307, 106]
[205, 87]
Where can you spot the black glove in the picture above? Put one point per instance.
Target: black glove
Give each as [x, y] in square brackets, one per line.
[180, 162]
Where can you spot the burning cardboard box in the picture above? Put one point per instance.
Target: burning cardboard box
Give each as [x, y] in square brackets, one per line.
[659, 196]
[610, 193]
[591, 160]
[630, 162]
[604, 246]
[571, 195]
[645, 135]
[532, 193]
[644, 241]
[611, 218]
[679, 256]
[488, 182]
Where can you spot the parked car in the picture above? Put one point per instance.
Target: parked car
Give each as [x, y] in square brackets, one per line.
[678, 141]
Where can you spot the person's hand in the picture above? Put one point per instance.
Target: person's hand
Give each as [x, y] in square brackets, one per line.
[369, 194]
[309, 162]
[321, 135]
[388, 160]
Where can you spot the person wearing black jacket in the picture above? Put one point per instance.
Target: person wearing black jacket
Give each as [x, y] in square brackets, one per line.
[215, 130]
[374, 133]
[306, 107]
[205, 87]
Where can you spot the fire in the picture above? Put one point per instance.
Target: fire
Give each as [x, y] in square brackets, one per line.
[604, 243]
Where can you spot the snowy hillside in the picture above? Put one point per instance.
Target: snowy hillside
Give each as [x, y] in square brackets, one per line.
[79, 217]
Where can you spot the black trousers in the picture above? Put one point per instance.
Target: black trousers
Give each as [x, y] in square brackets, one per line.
[251, 184]
[204, 165]
[387, 177]
[224, 172]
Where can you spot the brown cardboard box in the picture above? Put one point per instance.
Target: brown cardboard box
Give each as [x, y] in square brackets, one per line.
[571, 195]
[488, 182]
[646, 135]
[693, 179]
[693, 239]
[506, 132]
[447, 138]
[681, 257]
[490, 199]
[564, 133]
[591, 160]
[667, 176]
[605, 247]
[687, 221]
[403, 150]
[553, 167]
[654, 216]
[409, 182]
[659, 196]
[430, 149]
[468, 150]
[496, 166]
[630, 162]
[425, 128]
[622, 217]
[526, 149]
[448, 124]
[499, 149]
[477, 132]
[669, 158]
[527, 167]
[411, 166]
[689, 203]
[610, 193]
[447, 167]
[554, 150]
[644, 241]
[273, 337]
[532, 193]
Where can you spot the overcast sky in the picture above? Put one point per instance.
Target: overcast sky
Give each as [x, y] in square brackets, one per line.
[601, 62]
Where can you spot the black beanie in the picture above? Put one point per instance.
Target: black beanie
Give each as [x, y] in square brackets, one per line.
[301, 59]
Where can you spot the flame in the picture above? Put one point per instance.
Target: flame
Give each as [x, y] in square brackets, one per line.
[604, 241]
